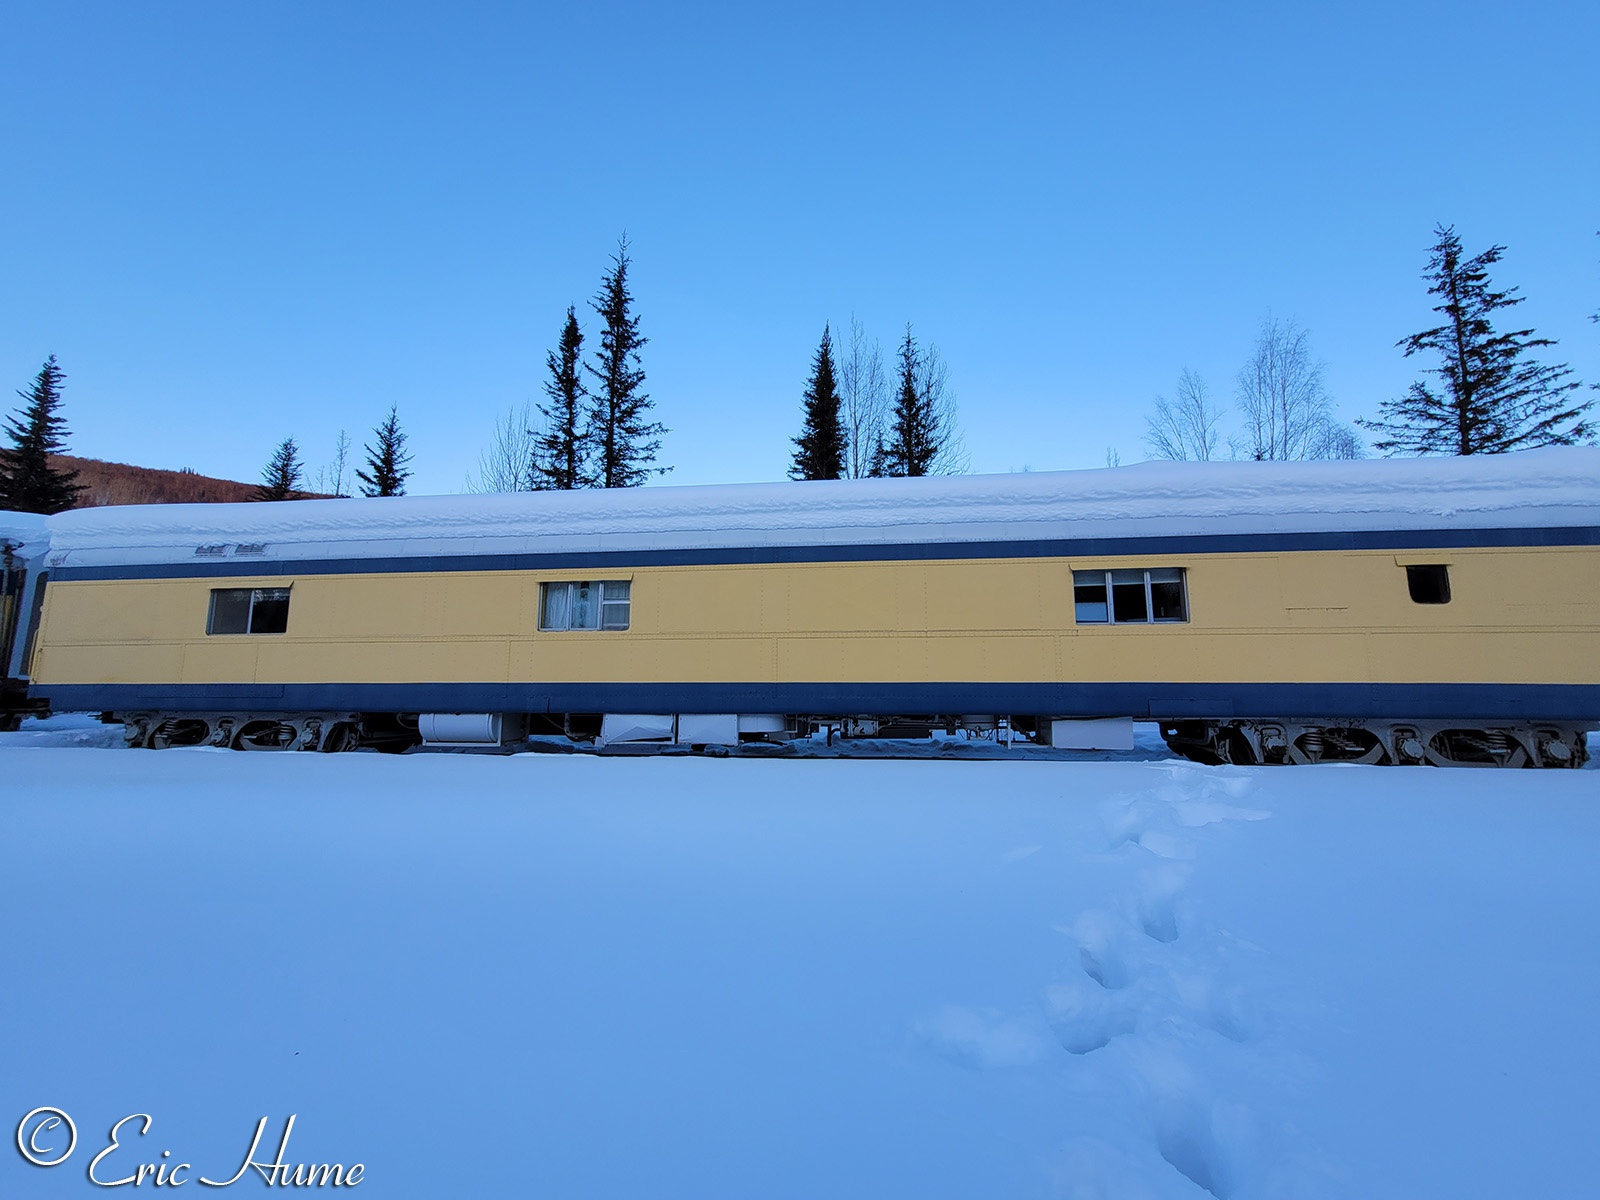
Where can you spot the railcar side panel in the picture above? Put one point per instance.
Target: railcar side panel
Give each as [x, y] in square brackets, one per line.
[1517, 615]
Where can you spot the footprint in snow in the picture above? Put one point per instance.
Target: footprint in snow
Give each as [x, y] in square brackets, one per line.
[1085, 1016]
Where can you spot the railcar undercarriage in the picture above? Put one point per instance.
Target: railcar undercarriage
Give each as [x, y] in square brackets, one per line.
[1246, 742]
[1304, 741]
[329, 732]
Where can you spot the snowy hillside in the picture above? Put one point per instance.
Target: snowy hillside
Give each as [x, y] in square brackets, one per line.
[563, 976]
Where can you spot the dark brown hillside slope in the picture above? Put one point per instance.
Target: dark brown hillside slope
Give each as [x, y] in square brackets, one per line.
[106, 483]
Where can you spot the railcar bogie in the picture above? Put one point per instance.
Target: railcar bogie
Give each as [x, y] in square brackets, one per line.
[327, 732]
[1444, 743]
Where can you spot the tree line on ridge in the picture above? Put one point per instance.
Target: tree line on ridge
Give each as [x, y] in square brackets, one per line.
[1487, 394]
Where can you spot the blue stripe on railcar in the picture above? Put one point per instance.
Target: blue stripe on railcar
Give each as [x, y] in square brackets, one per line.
[1415, 701]
[1255, 543]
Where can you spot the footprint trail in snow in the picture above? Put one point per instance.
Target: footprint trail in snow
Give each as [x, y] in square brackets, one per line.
[1159, 1019]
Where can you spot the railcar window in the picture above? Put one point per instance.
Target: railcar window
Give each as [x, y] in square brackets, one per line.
[602, 604]
[248, 610]
[1089, 592]
[1429, 584]
[1130, 597]
[1166, 595]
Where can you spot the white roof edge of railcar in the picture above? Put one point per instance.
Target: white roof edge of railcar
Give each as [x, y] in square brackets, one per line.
[23, 531]
[1552, 487]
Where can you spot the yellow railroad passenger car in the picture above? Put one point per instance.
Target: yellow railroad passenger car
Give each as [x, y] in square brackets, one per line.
[1441, 610]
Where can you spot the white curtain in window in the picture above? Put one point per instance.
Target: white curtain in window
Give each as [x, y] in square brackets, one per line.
[585, 606]
[555, 606]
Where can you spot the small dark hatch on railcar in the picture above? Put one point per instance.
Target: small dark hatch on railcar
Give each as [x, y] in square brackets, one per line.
[1429, 583]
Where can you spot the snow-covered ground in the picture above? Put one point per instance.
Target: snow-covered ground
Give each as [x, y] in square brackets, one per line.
[569, 976]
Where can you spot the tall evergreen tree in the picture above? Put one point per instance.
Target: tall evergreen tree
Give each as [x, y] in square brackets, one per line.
[1493, 397]
[28, 483]
[623, 440]
[281, 478]
[386, 472]
[558, 454]
[820, 448]
[914, 433]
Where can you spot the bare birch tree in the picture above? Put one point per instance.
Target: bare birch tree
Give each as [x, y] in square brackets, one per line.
[864, 400]
[1287, 411]
[1185, 429]
[507, 465]
[933, 382]
[334, 478]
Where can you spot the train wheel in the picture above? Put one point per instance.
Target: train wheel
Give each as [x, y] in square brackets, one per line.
[1235, 748]
[339, 738]
[265, 735]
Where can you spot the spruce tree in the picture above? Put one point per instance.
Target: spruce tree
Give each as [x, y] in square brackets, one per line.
[820, 448]
[558, 455]
[28, 483]
[914, 434]
[386, 472]
[281, 478]
[623, 440]
[1492, 397]
[878, 461]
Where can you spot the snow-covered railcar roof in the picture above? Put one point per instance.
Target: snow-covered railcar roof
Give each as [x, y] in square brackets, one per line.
[1535, 489]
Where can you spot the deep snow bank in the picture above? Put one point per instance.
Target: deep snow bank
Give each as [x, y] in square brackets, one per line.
[574, 977]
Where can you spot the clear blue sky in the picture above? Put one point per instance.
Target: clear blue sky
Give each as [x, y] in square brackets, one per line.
[236, 222]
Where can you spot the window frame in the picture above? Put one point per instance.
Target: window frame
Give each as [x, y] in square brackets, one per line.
[1107, 573]
[601, 604]
[256, 599]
